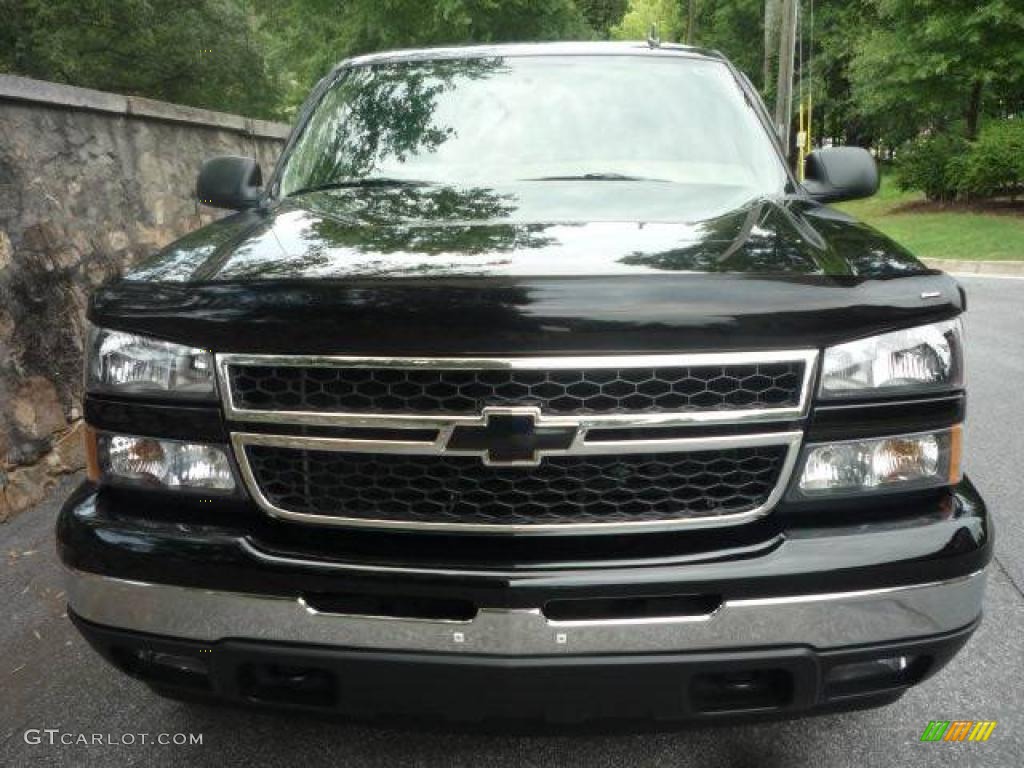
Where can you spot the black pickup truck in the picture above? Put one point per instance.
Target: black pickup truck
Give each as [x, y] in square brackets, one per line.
[532, 384]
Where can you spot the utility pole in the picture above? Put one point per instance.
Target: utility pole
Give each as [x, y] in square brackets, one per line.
[784, 92]
[691, 23]
[772, 12]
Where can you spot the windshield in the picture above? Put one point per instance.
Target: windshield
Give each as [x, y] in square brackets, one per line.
[491, 121]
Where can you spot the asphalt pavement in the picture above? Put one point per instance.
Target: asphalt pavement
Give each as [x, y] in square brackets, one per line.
[50, 679]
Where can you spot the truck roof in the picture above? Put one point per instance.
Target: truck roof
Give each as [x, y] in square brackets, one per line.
[616, 48]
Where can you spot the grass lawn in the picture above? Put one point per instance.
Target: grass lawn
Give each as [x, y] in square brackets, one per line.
[941, 234]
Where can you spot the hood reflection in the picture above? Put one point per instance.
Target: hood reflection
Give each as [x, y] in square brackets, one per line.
[538, 228]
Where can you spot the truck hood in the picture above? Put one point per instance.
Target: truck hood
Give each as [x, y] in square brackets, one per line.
[540, 228]
[541, 266]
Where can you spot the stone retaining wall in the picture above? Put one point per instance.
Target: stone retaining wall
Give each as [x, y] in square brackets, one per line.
[90, 182]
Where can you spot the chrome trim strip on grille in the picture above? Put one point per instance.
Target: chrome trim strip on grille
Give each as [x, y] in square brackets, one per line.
[399, 421]
[791, 440]
[828, 620]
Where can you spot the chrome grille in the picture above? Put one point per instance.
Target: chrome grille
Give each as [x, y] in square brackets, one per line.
[518, 445]
[564, 490]
[568, 391]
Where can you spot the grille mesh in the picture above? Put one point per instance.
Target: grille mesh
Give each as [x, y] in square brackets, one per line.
[578, 391]
[562, 490]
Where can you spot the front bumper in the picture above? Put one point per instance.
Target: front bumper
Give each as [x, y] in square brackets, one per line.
[826, 620]
[779, 615]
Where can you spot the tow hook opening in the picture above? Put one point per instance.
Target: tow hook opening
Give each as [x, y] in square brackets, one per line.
[747, 690]
[182, 670]
[288, 684]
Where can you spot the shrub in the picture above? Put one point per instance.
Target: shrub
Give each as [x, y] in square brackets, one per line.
[995, 164]
[925, 164]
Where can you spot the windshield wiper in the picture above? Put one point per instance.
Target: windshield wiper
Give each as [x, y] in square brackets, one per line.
[368, 182]
[596, 177]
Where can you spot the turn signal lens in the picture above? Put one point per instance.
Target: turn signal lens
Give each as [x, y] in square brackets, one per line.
[891, 463]
[92, 459]
[149, 462]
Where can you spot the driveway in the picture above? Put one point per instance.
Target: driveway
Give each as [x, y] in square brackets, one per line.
[50, 679]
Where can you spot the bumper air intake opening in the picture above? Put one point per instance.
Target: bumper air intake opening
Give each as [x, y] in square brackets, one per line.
[653, 608]
[391, 606]
[281, 684]
[752, 689]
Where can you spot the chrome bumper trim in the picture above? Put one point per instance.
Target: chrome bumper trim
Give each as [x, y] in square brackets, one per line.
[823, 621]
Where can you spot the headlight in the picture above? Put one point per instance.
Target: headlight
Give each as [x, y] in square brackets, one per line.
[925, 358]
[151, 463]
[124, 363]
[901, 462]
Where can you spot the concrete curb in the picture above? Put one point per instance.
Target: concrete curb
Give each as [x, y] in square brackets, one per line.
[1000, 268]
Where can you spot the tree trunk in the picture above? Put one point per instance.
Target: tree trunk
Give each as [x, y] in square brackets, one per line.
[691, 23]
[973, 113]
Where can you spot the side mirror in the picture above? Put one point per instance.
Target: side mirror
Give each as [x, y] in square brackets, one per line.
[833, 174]
[230, 182]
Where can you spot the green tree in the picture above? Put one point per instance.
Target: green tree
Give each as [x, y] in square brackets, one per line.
[204, 53]
[736, 28]
[666, 15]
[929, 163]
[313, 35]
[994, 165]
[602, 15]
[830, 45]
[933, 62]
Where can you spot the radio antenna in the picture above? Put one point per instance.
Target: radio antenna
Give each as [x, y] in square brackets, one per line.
[653, 40]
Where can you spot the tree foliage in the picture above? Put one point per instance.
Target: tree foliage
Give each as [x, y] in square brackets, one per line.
[258, 57]
[602, 15]
[995, 163]
[929, 164]
[934, 62]
[945, 166]
[313, 35]
[387, 113]
[206, 54]
[735, 28]
[880, 71]
[665, 15]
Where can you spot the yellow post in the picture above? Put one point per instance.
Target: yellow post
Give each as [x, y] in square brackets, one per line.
[803, 138]
[801, 144]
[810, 108]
